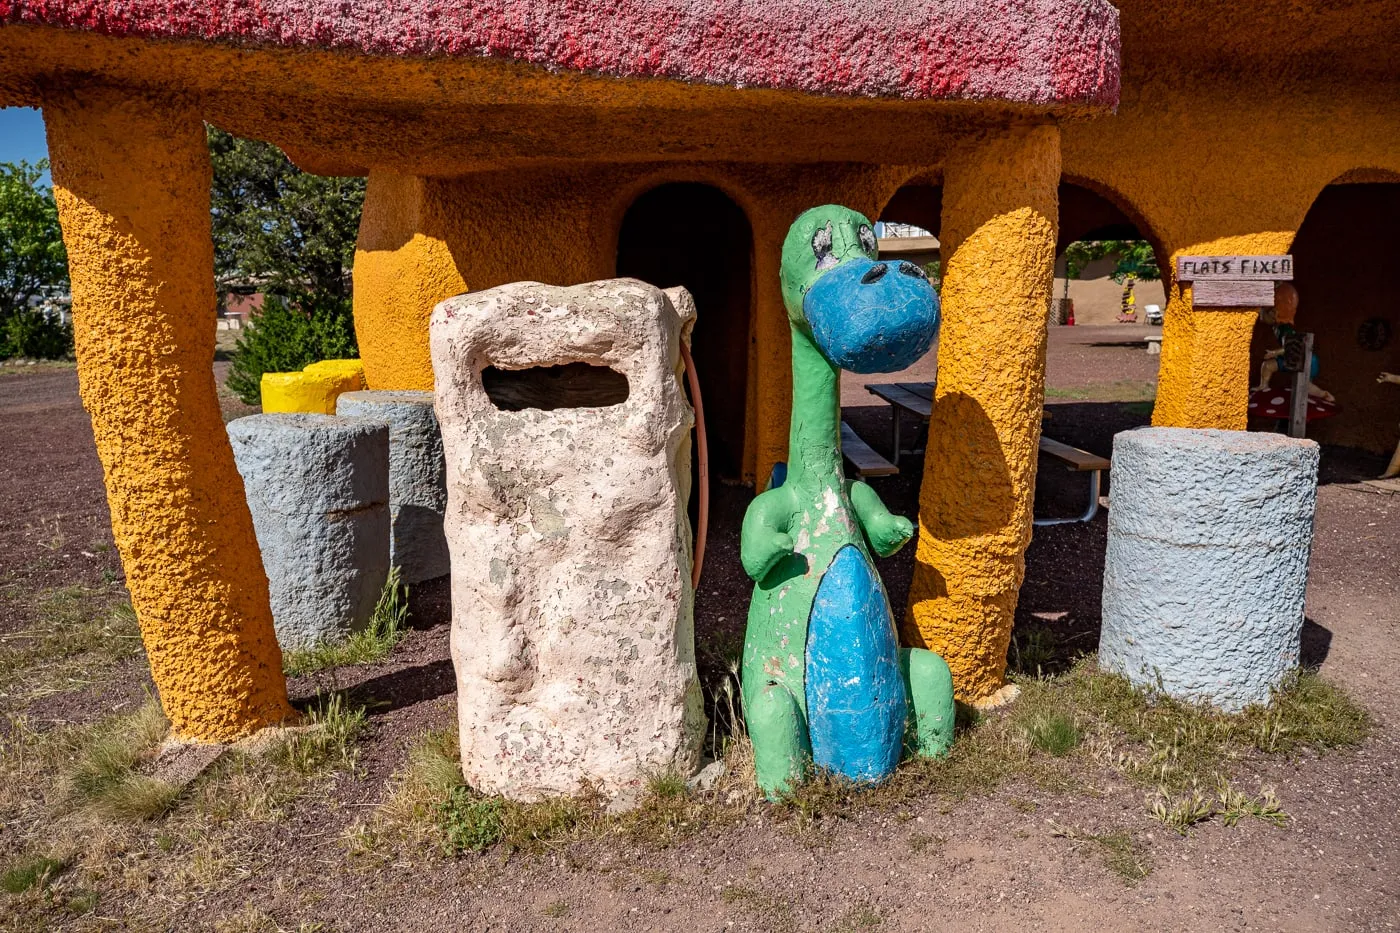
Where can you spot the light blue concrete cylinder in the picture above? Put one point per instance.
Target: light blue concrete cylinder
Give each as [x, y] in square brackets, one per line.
[318, 489]
[417, 478]
[1209, 534]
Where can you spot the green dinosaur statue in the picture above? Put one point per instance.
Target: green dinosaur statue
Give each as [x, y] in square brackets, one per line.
[824, 678]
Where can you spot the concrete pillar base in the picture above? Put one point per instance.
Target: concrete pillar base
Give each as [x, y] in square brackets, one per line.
[1208, 541]
[318, 488]
[417, 478]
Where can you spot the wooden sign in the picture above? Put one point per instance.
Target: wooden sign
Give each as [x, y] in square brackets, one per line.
[1233, 281]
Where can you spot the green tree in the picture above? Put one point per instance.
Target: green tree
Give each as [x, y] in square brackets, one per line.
[290, 235]
[33, 263]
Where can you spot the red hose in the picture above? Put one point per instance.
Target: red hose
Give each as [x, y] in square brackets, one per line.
[702, 451]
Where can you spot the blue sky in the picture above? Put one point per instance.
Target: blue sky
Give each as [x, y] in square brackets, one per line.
[21, 135]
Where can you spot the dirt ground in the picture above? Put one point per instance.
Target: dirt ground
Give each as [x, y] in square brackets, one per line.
[989, 862]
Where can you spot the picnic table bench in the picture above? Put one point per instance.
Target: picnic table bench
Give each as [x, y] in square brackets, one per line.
[864, 459]
[916, 398]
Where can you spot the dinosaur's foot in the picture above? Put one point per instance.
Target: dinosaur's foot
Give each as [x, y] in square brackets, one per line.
[778, 731]
[929, 686]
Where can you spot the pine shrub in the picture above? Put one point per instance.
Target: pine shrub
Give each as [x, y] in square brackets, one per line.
[285, 337]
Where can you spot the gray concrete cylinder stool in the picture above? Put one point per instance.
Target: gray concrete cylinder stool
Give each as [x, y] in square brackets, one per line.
[1208, 540]
[417, 478]
[318, 488]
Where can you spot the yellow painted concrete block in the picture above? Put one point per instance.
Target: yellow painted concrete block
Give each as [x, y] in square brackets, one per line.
[354, 368]
[312, 393]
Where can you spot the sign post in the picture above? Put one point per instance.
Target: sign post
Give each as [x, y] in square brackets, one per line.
[1298, 404]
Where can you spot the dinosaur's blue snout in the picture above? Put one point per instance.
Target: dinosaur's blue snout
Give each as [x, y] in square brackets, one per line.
[873, 317]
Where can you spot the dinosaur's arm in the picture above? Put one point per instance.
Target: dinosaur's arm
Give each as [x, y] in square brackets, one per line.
[764, 538]
[885, 531]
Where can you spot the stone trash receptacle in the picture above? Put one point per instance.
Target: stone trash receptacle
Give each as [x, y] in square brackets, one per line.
[1209, 534]
[318, 488]
[567, 433]
[417, 478]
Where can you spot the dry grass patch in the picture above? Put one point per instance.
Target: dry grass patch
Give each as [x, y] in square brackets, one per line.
[1056, 736]
[1119, 851]
[79, 634]
[1124, 390]
[87, 803]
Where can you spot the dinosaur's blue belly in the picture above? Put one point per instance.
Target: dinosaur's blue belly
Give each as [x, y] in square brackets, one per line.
[855, 695]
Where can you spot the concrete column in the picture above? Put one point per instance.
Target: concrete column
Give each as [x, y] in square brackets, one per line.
[1207, 562]
[318, 488]
[131, 176]
[999, 218]
[417, 478]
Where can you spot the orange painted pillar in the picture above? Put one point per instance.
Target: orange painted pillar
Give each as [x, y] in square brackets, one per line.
[132, 176]
[770, 365]
[1000, 211]
[1204, 377]
[403, 268]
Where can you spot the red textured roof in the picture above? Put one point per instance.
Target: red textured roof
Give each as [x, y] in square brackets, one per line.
[1040, 52]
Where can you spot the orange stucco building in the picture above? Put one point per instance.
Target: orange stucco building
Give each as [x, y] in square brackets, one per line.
[677, 140]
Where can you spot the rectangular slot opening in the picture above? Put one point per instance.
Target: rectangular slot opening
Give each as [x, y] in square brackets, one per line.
[573, 385]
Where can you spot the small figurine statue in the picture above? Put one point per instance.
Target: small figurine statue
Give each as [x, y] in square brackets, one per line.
[1282, 316]
[824, 678]
[1394, 468]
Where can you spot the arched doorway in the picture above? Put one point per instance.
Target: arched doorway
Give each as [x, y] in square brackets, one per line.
[1347, 298]
[694, 235]
[917, 205]
[1092, 278]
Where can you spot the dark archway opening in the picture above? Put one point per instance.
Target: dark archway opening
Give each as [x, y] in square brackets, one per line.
[908, 228]
[1087, 215]
[1343, 257]
[695, 236]
[918, 205]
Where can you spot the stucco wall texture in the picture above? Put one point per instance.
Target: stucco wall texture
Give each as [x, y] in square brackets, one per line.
[1233, 136]
[131, 176]
[1207, 562]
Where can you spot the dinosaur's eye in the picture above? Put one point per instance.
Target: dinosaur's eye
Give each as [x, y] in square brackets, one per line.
[821, 247]
[867, 241]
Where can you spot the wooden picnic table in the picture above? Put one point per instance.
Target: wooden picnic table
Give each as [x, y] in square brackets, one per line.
[913, 397]
[916, 398]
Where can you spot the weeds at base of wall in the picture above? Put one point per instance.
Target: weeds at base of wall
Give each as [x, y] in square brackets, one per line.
[386, 628]
[1060, 734]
